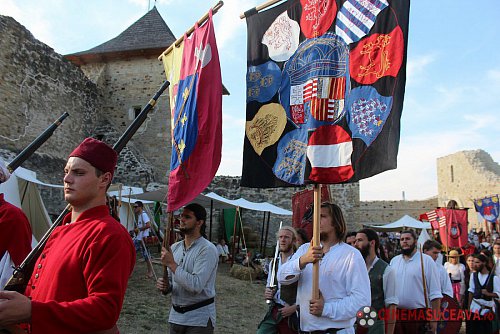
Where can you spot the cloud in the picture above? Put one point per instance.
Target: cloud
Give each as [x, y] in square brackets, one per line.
[229, 26]
[416, 68]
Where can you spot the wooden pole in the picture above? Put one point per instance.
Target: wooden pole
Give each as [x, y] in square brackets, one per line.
[261, 7]
[190, 30]
[267, 233]
[262, 233]
[211, 213]
[316, 240]
[233, 248]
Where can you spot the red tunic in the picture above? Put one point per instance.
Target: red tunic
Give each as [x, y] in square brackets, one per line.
[80, 279]
[15, 232]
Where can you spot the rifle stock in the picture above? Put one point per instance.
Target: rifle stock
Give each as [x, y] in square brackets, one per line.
[22, 274]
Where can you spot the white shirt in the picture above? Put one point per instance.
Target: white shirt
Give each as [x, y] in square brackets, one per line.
[476, 303]
[142, 220]
[497, 265]
[222, 250]
[457, 272]
[389, 282]
[410, 290]
[277, 295]
[444, 280]
[343, 282]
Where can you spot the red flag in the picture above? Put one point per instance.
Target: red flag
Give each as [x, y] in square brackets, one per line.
[197, 118]
[454, 232]
[302, 205]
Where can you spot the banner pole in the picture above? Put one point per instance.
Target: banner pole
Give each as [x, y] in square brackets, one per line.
[259, 7]
[190, 30]
[316, 239]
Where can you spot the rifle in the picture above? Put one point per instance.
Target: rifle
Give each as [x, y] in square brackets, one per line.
[22, 274]
[35, 144]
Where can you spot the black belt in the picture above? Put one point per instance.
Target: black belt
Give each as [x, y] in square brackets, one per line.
[323, 331]
[455, 281]
[184, 309]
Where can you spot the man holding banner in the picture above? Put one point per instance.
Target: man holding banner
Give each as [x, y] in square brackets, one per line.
[344, 284]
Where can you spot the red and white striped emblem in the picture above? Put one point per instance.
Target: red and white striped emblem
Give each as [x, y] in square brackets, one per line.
[329, 152]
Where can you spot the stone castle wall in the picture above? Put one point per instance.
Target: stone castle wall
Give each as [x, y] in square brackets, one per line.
[127, 85]
[465, 176]
[37, 86]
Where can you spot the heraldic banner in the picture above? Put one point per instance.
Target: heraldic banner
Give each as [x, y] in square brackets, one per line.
[325, 87]
[196, 117]
[454, 232]
[488, 207]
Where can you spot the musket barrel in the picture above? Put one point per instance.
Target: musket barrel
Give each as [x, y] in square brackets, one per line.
[35, 144]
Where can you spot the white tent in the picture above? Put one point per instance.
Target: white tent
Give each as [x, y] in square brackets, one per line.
[218, 202]
[402, 223]
[21, 190]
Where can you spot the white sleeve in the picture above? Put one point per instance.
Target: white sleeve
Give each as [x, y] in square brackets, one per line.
[462, 279]
[358, 292]
[496, 286]
[389, 281]
[446, 287]
[289, 272]
[433, 281]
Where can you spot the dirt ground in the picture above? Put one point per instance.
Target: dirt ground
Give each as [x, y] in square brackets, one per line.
[240, 304]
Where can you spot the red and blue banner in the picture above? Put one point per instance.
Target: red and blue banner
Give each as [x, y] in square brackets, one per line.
[488, 207]
[325, 88]
[196, 118]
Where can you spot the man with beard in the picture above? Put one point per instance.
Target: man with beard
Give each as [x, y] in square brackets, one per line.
[276, 319]
[382, 282]
[192, 266]
[410, 289]
[433, 249]
[344, 285]
[484, 288]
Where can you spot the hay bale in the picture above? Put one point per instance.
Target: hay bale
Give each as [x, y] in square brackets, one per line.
[245, 273]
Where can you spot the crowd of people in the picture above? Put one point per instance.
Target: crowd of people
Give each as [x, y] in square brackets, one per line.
[351, 282]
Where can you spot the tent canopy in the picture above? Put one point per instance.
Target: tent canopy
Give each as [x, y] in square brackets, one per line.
[218, 202]
[402, 223]
[21, 190]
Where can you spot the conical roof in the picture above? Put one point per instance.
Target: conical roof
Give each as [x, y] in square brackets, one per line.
[149, 33]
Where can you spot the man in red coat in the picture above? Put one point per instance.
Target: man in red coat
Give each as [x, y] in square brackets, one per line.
[15, 233]
[79, 281]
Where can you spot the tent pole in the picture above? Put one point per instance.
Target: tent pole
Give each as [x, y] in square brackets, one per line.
[267, 233]
[233, 248]
[211, 213]
[262, 232]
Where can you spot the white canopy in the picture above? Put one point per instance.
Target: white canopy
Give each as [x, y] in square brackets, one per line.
[21, 191]
[402, 223]
[218, 202]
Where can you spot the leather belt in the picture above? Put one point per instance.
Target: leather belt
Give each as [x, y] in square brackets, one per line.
[323, 331]
[184, 309]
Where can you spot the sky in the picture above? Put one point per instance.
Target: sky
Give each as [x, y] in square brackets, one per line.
[452, 99]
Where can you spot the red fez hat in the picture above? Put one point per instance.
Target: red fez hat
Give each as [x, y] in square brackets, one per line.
[98, 154]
